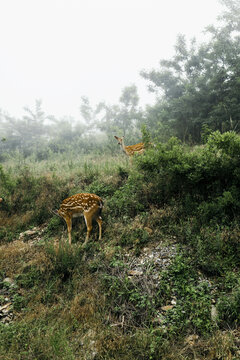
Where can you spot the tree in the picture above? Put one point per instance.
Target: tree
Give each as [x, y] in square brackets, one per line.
[122, 119]
[27, 133]
[201, 83]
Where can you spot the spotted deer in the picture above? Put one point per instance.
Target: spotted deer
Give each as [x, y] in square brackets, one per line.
[130, 150]
[87, 205]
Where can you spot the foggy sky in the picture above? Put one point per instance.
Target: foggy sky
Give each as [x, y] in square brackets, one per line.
[60, 50]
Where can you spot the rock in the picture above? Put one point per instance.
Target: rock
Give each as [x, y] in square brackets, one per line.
[159, 320]
[148, 230]
[28, 234]
[167, 307]
[214, 313]
[191, 339]
[173, 302]
[9, 281]
[89, 343]
[135, 273]
[6, 320]
[5, 308]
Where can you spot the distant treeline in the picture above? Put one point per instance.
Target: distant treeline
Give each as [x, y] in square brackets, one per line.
[197, 92]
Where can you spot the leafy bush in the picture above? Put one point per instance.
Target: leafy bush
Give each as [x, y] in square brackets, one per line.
[65, 259]
[229, 309]
[28, 200]
[193, 298]
[128, 299]
[139, 302]
[138, 237]
[7, 183]
[102, 189]
[206, 181]
[228, 143]
[215, 248]
[129, 199]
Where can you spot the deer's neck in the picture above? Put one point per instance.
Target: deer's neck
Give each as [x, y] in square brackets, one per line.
[123, 147]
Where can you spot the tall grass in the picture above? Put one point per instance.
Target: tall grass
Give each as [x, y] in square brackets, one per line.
[66, 165]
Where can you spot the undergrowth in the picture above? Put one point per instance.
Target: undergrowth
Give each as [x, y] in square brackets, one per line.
[172, 194]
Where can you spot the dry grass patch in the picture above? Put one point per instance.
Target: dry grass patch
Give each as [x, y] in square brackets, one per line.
[223, 345]
[14, 220]
[16, 256]
[83, 307]
[88, 303]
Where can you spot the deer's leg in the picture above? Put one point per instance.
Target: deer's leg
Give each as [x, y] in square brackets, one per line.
[99, 221]
[88, 221]
[69, 228]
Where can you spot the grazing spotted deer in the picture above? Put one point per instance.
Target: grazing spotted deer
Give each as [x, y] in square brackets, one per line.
[131, 149]
[87, 205]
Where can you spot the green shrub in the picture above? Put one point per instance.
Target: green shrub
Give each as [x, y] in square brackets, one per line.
[229, 309]
[102, 189]
[193, 298]
[65, 259]
[53, 224]
[228, 143]
[129, 200]
[127, 299]
[206, 180]
[7, 183]
[138, 237]
[217, 249]
[30, 277]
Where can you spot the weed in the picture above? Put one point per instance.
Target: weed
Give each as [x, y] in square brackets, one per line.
[65, 259]
[229, 309]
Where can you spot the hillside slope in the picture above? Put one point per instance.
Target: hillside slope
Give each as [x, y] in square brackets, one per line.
[162, 284]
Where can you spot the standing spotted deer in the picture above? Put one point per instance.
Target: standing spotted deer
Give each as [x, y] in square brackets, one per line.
[131, 149]
[87, 205]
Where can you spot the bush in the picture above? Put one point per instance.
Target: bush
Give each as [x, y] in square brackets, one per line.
[228, 143]
[65, 259]
[207, 180]
[192, 310]
[229, 309]
[28, 200]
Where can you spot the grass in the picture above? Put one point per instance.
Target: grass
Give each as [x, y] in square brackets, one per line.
[75, 303]
[67, 166]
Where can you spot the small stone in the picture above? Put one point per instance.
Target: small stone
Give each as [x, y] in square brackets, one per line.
[149, 231]
[8, 280]
[6, 320]
[167, 307]
[160, 320]
[27, 234]
[135, 273]
[191, 339]
[5, 308]
[214, 313]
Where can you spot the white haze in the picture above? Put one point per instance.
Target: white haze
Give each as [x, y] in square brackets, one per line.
[60, 50]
